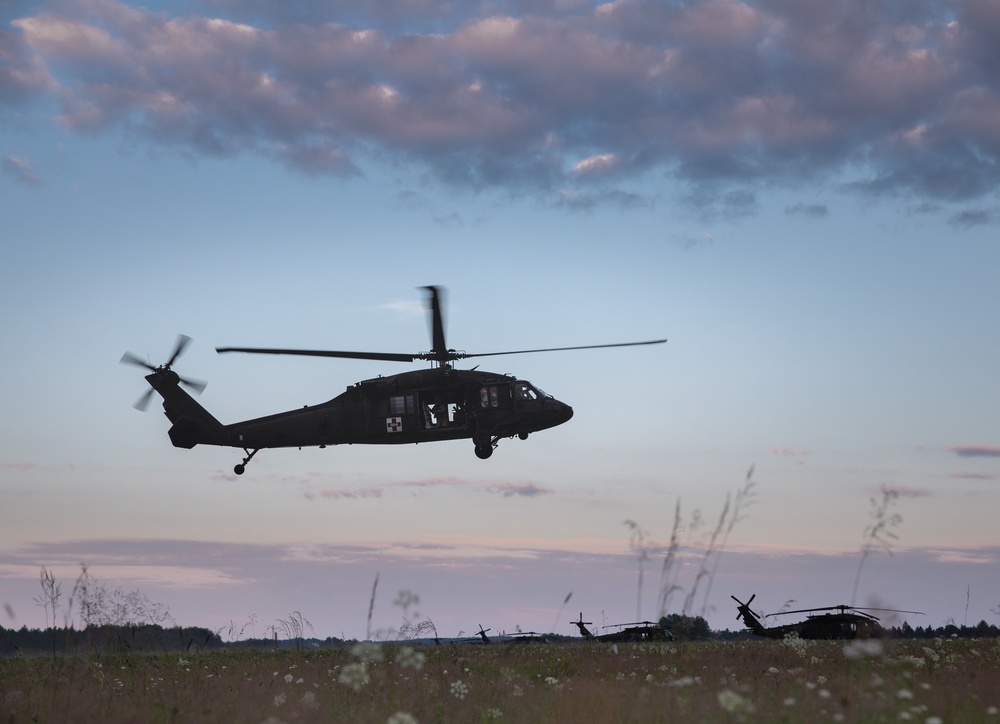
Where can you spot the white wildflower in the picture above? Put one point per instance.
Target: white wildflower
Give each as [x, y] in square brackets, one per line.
[401, 717]
[863, 648]
[354, 675]
[410, 658]
[279, 699]
[289, 678]
[733, 702]
[459, 689]
[308, 700]
[367, 651]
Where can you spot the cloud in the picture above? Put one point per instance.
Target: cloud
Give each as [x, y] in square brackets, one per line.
[527, 490]
[887, 99]
[970, 218]
[907, 491]
[977, 451]
[22, 467]
[21, 170]
[974, 476]
[506, 489]
[814, 211]
[788, 452]
[352, 494]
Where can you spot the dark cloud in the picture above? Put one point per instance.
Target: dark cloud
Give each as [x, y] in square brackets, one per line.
[896, 100]
[973, 217]
[977, 451]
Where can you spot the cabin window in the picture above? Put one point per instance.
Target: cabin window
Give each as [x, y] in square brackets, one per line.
[401, 405]
[488, 397]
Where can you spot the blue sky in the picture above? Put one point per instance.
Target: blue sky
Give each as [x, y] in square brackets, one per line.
[801, 196]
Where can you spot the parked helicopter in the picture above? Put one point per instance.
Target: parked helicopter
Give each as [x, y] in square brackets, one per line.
[640, 631]
[849, 622]
[441, 403]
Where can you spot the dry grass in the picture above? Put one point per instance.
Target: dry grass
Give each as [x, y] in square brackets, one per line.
[940, 680]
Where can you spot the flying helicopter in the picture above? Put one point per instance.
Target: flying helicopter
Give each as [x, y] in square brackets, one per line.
[429, 405]
[848, 622]
[629, 632]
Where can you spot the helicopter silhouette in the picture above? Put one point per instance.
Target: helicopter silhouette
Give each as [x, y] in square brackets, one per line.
[849, 622]
[632, 632]
[440, 403]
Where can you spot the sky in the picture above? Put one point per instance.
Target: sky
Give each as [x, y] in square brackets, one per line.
[802, 196]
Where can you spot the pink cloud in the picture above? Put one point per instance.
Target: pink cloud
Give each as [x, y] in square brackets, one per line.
[19, 466]
[788, 452]
[776, 90]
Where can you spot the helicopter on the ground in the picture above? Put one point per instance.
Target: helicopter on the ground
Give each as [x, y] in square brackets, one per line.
[441, 403]
[848, 622]
[629, 632]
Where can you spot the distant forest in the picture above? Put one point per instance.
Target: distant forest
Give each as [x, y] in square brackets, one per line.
[156, 638]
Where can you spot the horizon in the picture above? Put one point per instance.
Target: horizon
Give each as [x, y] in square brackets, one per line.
[803, 200]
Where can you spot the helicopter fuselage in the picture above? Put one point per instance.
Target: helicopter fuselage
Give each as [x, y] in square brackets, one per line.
[411, 407]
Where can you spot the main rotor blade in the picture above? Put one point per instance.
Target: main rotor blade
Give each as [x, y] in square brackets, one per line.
[463, 355]
[438, 347]
[384, 356]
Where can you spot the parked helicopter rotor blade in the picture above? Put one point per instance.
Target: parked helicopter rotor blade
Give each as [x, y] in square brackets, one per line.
[383, 356]
[842, 609]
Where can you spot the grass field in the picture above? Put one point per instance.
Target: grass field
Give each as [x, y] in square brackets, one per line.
[942, 680]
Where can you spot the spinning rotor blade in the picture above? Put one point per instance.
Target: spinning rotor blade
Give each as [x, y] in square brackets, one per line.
[463, 355]
[130, 359]
[197, 385]
[183, 340]
[384, 356]
[143, 402]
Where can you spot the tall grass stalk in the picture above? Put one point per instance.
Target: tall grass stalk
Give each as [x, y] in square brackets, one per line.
[878, 533]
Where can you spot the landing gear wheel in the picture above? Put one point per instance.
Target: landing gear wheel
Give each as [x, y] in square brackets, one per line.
[523, 435]
[484, 451]
[241, 467]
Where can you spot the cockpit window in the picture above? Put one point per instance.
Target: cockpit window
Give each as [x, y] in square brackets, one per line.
[525, 391]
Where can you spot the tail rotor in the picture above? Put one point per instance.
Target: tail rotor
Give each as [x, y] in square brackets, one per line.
[197, 386]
